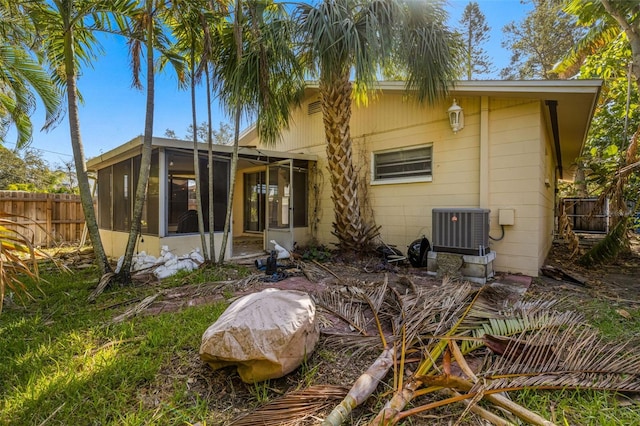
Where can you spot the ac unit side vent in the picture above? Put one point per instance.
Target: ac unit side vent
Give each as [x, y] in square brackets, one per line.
[461, 230]
[313, 107]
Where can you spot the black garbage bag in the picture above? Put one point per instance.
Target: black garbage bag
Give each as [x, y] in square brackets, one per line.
[417, 252]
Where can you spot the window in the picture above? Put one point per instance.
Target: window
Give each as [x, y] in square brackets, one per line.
[405, 165]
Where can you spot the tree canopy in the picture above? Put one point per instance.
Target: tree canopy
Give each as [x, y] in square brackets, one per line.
[475, 32]
[539, 41]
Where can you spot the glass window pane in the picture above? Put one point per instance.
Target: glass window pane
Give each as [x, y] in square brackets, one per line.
[279, 197]
[403, 164]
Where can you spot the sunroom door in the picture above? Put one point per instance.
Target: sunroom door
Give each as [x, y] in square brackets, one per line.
[279, 211]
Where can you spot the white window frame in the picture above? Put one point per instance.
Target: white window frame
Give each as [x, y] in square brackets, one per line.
[408, 179]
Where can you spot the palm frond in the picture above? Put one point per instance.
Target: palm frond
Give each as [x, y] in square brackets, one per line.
[294, 407]
[557, 358]
[349, 308]
[610, 246]
[523, 316]
[433, 311]
[18, 256]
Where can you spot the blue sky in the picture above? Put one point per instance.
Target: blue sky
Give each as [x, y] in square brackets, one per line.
[113, 112]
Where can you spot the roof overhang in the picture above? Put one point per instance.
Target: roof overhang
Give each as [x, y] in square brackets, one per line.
[574, 100]
[134, 147]
[569, 106]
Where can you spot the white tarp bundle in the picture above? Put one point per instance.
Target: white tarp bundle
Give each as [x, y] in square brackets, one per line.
[266, 335]
[166, 265]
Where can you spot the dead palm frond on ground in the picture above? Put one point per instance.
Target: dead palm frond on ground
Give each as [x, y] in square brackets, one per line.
[524, 344]
[18, 256]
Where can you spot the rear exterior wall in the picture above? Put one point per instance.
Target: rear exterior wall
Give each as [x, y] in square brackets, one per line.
[519, 159]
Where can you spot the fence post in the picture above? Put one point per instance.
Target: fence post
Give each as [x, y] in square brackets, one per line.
[49, 224]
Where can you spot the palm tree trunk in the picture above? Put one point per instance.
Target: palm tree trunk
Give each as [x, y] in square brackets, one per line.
[212, 246]
[78, 156]
[196, 156]
[145, 162]
[237, 36]
[349, 227]
[232, 184]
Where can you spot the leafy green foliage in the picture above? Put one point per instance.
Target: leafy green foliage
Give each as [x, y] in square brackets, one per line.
[319, 253]
[539, 41]
[27, 171]
[222, 136]
[612, 126]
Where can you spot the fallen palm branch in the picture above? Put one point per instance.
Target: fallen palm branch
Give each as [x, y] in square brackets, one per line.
[556, 357]
[293, 408]
[18, 256]
[136, 309]
[535, 344]
[363, 387]
[434, 348]
[610, 246]
[429, 314]
[176, 297]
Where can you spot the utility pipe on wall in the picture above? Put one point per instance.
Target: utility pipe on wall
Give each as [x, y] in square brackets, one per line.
[484, 152]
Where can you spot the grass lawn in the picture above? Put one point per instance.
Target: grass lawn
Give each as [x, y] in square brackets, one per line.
[63, 363]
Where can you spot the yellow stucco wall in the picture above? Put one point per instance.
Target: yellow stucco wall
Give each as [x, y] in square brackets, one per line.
[520, 157]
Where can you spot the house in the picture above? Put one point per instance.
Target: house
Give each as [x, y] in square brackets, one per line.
[519, 138]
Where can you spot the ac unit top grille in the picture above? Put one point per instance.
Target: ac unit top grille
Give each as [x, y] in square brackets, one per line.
[461, 230]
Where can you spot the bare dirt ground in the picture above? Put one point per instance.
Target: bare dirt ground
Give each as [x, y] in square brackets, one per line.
[617, 283]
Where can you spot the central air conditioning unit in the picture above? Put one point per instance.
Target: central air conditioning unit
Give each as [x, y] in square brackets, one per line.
[461, 230]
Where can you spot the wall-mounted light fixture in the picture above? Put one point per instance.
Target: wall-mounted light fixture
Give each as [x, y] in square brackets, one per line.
[456, 116]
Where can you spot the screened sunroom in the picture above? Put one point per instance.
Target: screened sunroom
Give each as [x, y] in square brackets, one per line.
[270, 197]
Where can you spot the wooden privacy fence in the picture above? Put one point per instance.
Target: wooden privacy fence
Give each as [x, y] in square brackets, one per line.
[52, 218]
[586, 215]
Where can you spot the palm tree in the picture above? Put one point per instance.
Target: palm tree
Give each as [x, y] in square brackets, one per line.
[22, 76]
[69, 41]
[258, 76]
[148, 31]
[207, 58]
[189, 26]
[345, 39]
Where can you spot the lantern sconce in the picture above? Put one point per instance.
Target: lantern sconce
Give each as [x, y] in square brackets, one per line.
[456, 116]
